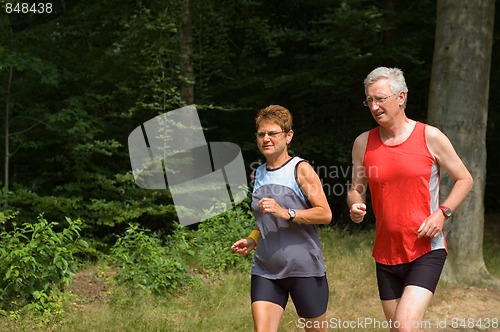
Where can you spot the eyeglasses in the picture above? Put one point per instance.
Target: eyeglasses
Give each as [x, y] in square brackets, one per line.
[377, 100]
[272, 134]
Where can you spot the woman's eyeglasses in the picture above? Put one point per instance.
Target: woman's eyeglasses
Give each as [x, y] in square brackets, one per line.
[271, 134]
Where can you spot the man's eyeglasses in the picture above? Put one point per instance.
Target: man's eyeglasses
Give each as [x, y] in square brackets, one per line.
[272, 134]
[377, 100]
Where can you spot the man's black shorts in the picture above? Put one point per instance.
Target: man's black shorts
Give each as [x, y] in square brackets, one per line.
[423, 272]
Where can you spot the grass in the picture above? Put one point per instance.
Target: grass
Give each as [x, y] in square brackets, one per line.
[220, 302]
[491, 244]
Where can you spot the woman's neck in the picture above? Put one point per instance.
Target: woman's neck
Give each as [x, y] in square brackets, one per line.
[272, 163]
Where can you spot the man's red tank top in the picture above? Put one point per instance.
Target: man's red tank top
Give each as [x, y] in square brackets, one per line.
[404, 187]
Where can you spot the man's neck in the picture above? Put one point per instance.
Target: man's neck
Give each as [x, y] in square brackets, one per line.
[397, 132]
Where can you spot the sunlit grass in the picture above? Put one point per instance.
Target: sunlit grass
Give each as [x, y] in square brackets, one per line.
[491, 246]
[221, 302]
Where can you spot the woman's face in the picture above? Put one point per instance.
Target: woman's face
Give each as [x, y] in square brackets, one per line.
[271, 139]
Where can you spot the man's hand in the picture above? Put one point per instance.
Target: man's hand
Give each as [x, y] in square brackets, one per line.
[357, 212]
[432, 225]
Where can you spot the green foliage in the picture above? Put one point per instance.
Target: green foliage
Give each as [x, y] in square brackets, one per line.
[149, 265]
[37, 260]
[104, 204]
[83, 80]
[213, 239]
[145, 264]
[30, 204]
[207, 248]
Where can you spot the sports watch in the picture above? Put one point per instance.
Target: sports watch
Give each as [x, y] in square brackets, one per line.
[446, 211]
[292, 214]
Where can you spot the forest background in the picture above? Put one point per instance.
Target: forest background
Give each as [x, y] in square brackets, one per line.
[78, 78]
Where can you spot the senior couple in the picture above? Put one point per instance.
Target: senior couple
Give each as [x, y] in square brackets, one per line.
[288, 203]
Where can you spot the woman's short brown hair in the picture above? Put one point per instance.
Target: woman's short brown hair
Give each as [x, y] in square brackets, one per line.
[276, 114]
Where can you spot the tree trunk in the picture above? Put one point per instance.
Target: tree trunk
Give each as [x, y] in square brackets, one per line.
[186, 49]
[458, 105]
[7, 143]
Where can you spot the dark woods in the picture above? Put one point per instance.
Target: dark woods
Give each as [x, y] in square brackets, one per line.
[76, 81]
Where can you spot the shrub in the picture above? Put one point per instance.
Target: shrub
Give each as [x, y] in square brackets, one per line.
[145, 264]
[35, 258]
[214, 238]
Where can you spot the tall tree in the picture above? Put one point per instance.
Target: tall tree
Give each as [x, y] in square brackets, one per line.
[19, 64]
[7, 143]
[458, 104]
[186, 54]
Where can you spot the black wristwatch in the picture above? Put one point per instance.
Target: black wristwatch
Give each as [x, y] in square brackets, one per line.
[292, 214]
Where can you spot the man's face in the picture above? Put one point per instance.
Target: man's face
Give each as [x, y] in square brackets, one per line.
[382, 102]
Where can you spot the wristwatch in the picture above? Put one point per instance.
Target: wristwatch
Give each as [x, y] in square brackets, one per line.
[292, 214]
[446, 211]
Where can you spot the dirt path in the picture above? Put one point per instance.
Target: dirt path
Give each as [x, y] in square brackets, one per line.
[465, 309]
